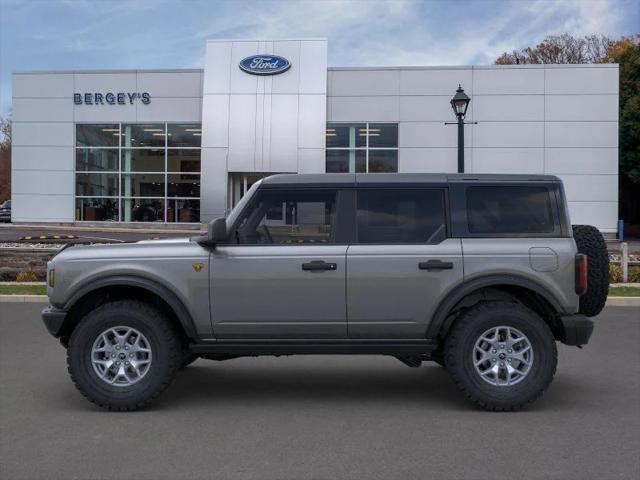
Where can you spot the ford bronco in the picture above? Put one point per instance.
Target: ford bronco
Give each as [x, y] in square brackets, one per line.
[482, 274]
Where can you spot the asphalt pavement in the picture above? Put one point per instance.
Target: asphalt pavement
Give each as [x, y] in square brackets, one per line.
[340, 417]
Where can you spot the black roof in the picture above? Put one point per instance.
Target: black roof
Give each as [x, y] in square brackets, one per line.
[398, 178]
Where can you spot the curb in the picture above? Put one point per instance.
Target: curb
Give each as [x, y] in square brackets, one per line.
[611, 301]
[24, 299]
[623, 302]
[77, 228]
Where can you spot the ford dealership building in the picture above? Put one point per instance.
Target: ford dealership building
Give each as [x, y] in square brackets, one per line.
[184, 145]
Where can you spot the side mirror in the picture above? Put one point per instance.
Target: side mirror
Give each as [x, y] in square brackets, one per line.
[217, 231]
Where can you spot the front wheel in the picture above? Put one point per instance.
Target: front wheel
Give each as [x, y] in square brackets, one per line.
[501, 355]
[123, 354]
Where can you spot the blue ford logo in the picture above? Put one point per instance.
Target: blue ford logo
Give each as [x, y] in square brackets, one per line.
[265, 64]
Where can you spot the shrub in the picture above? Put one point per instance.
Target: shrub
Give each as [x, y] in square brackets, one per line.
[615, 273]
[27, 275]
[634, 274]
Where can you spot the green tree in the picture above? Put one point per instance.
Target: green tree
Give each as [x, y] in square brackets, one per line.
[626, 53]
[600, 49]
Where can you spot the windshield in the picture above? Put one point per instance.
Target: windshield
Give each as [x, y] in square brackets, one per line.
[6, 204]
[241, 204]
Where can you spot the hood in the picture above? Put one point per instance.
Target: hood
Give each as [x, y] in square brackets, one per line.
[143, 248]
[167, 240]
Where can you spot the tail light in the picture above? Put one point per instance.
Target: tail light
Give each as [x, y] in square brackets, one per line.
[581, 273]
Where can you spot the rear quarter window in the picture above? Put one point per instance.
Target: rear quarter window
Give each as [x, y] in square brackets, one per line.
[509, 210]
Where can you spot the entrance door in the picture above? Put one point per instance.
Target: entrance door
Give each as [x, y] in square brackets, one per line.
[283, 273]
[401, 264]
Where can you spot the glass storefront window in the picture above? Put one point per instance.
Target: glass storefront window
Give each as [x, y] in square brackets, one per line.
[144, 135]
[96, 159]
[97, 185]
[346, 135]
[181, 185]
[104, 135]
[362, 147]
[96, 209]
[383, 135]
[183, 211]
[183, 160]
[184, 135]
[142, 185]
[345, 161]
[383, 161]
[147, 172]
[142, 210]
[143, 160]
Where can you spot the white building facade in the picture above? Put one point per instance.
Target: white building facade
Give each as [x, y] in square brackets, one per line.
[182, 146]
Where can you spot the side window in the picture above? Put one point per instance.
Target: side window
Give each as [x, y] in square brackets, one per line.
[401, 216]
[288, 217]
[509, 209]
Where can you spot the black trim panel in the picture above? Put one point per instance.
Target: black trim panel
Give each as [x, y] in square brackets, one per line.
[54, 320]
[315, 347]
[163, 292]
[462, 290]
[576, 329]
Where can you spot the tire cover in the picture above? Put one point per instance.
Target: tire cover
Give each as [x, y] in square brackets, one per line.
[590, 242]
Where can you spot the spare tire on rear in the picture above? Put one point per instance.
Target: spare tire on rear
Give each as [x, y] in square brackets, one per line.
[590, 242]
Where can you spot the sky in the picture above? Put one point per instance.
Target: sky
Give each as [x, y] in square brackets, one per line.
[110, 34]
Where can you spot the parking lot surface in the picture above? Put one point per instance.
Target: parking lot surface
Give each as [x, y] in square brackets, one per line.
[360, 417]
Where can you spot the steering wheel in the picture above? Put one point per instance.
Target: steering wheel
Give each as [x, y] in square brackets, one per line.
[267, 233]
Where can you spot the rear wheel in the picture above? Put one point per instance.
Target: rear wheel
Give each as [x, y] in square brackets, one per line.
[123, 354]
[590, 242]
[501, 355]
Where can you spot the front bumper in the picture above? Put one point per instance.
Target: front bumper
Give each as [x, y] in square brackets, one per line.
[576, 329]
[54, 320]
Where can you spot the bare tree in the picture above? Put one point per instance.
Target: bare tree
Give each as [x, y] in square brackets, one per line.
[563, 48]
[5, 159]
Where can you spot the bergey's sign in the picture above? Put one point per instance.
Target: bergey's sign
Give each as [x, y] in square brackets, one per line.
[265, 64]
[109, 98]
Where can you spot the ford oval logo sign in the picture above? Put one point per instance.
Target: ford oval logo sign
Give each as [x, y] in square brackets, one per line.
[265, 64]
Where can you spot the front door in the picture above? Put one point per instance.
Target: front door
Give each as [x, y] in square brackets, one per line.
[282, 274]
[402, 262]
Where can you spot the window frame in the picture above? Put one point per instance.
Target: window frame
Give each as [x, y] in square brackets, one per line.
[344, 216]
[366, 148]
[120, 148]
[426, 186]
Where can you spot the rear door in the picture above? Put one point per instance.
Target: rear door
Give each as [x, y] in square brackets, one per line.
[401, 263]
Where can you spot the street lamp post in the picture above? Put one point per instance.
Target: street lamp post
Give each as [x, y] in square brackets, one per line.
[460, 103]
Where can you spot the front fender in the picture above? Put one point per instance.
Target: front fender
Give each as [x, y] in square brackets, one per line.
[164, 292]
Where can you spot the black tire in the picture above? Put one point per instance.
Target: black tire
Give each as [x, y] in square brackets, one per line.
[590, 241]
[164, 342]
[460, 344]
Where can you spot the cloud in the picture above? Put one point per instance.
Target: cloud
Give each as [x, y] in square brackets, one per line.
[85, 34]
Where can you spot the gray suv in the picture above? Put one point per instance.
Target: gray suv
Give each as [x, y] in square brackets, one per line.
[479, 273]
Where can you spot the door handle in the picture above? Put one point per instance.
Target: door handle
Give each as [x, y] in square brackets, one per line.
[319, 265]
[435, 265]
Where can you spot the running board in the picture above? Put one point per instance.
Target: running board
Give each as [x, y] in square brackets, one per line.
[315, 347]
